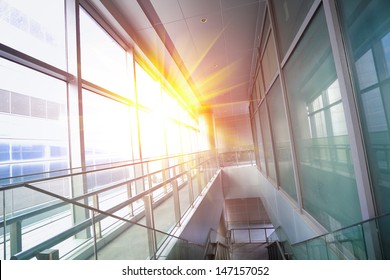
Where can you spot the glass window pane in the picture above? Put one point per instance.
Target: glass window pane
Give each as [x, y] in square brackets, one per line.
[103, 61]
[173, 138]
[27, 133]
[366, 31]
[171, 107]
[365, 69]
[289, 18]
[269, 62]
[323, 153]
[152, 135]
[260, 147]
[281, 140]
[148, 89]
[36, 28]
[386, 50]
[107, 127]
[374, 112]
[268, 150]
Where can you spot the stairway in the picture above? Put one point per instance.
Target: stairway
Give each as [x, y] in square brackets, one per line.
[217, 251]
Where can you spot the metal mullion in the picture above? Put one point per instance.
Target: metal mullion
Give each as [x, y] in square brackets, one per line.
[106, 93]
[300, 32]
[75, 111]
[34, 64]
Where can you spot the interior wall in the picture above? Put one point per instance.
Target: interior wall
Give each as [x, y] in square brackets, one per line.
[241, 182]
[233, 133]
[243, 203]
[281, 211]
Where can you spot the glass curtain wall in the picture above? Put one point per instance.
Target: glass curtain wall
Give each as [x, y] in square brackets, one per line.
[281, 140]
[366, 31]
[33, 106]
[308, 86]
[34, 109]
[319, 130]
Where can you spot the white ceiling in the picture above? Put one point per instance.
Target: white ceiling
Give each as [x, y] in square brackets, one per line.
[216, 57]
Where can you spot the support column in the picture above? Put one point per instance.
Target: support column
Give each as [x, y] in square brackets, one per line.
[207, 129]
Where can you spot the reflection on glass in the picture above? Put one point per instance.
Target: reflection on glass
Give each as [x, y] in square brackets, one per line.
[365, 69]
[386, 51]
[27, 27]
[281, 140]
[289, 18]
[260, 147]
[319, 128]
[267, 141]
[33, 119]
[269, 62]
[366, 30]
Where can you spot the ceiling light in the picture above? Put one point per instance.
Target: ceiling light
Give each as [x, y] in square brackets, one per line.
[203, 20]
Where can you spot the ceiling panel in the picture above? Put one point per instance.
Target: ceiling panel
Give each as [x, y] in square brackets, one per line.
[191, 8]
[217, 56]
[228, 4]
[179, 34]
[241, 25]
[133, 13]
[168, 10]
[205, 34]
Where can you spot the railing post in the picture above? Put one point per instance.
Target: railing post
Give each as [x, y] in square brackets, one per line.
[16, 238]
[176, 201]
[200, 187]
[165, 173]
[130, 195]
[95, 237]
[97, 226]
[150, 180]
[139, 184]
[79, 185]
[152, 241]
[190, 190]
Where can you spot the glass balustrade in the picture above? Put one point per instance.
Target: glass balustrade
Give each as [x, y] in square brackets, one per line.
[356, 242]
[116, 211]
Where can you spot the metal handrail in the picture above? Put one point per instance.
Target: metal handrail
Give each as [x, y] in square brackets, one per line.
[89, 194]
[252, 228]
[31, 252]
[20, 184]
[199, 161]
[92, 193]
[342, 229]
